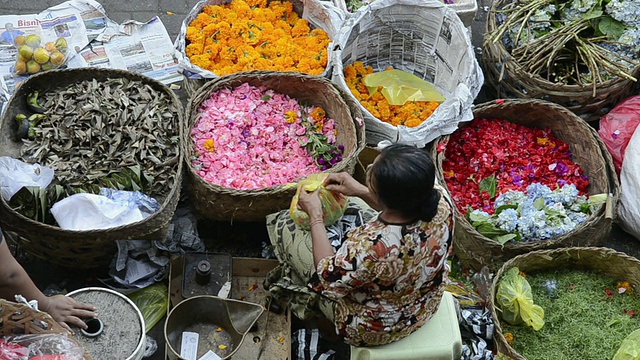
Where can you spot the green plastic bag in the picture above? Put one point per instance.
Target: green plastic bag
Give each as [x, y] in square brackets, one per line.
[399, 86]
[516, 300]
[630, 347]
[152, 302]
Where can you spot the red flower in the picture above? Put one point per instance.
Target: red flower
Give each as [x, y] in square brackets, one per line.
[515, 154]
[608, 293]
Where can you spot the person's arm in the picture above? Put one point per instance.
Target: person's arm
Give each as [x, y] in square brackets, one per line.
[14, 280]
[347, 185]
[310, 203]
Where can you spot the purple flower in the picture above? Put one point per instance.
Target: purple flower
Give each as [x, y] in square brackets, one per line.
[561, 169]
[562, 182]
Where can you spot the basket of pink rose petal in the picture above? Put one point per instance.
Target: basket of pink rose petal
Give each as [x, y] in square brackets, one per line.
[251, 136]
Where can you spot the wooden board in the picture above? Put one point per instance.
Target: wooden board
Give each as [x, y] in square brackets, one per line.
[248, 274]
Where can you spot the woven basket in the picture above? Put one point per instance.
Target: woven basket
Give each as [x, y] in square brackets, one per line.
[19, 319]
[505, 79]
[596, 259]
[225, 204]
[318, 16]
[86, 248]
[475, 250]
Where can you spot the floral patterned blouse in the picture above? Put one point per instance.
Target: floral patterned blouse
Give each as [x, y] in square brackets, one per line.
[386, 279]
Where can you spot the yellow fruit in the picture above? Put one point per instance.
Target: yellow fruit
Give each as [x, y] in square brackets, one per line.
[57, 58]
[41, 56]
[19, 40]
[33, 41]
[33, 67]
[61, 43]
[25, 51]
[22, 58]
[21, 67]
[50, 46]
[47, 66]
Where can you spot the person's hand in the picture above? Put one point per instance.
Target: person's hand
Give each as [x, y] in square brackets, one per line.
[345, 184]
[310, 203]
[67, 311]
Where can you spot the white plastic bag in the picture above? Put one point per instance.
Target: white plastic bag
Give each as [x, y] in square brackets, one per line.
[629, 203]
[89, 212]
[14, 174]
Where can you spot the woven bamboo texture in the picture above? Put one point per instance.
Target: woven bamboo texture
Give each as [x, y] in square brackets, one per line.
[596, 259]
[225, 204]
[475, 250]
[19, 319]
[505, 79]
[86, 248]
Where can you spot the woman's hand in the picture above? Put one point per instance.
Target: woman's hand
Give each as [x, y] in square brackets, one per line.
[345, 184]
[310, 203]
[67, 311]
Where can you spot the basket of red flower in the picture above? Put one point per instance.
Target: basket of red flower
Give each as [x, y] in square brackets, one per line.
[525, 175]
[252, 135]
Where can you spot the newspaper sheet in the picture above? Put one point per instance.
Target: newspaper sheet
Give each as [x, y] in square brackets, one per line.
[93, 40]
[425, 38]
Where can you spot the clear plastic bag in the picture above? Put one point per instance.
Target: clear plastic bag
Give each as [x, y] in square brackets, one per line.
[399, 86]
[40, 347]
[152, 302]
[516, 300]
[36, 54]
[630, 347]
[333, 204]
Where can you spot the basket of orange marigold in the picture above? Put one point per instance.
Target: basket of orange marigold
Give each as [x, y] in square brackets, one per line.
[426, 39]
[221, 37]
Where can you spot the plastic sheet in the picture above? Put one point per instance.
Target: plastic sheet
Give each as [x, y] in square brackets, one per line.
[399, 86]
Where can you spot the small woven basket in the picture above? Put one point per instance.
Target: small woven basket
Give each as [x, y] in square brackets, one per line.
[475, 250]
[83, 248]
[19, 319]
[506, 79]
[595, 259]
[225, 204]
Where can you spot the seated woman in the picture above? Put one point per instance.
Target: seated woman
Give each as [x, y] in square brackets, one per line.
[386, 274]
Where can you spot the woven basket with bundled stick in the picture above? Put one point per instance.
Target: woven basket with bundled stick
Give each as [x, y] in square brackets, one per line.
[242, 159]
[96, 128]
[471, 244]
[578, 57]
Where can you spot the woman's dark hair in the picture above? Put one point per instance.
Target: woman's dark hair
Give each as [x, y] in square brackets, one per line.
[403, 177]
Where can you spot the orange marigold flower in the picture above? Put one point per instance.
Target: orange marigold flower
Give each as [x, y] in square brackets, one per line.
[290, 116]
[412, 123]
[509, 338]
[318, 114]
[624, 287]
[209, 145]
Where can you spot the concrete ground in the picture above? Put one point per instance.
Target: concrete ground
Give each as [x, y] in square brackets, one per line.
[223, 237]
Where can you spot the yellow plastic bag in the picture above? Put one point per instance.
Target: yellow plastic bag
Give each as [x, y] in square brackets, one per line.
[333, 204]
[399, 86]
[630, 347]
[516, 300]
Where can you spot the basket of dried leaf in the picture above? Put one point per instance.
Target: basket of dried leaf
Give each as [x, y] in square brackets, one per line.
[251, 136]
[96, 128]
[18, 319]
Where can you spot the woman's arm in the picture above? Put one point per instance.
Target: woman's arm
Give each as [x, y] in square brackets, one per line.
[14, 280]
[310, 203]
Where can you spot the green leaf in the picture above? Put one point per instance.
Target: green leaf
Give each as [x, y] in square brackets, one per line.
[502, 239]
[505, 207]
[490, 230]
[593, 14]
[610, 27]
[539, 203]
[476, 218]
[265, 97]
[488, 184]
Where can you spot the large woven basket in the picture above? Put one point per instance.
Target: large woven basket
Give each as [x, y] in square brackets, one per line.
[19, 319]
[225, 204]
[475, 250]
[600, 260]
[506, 79]
[86, 248]
[315, 12]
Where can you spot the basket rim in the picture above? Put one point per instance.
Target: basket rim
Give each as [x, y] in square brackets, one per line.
[219, 83]
[173, 192]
